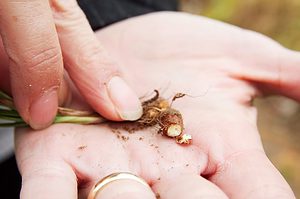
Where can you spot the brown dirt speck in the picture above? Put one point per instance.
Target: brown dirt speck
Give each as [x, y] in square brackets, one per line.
[124, 138]
[82, 147]
[157, 195]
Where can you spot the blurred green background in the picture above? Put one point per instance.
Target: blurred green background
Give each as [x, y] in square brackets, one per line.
[278, 117]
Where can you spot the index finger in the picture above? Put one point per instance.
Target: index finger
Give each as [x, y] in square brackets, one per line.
[35, 61]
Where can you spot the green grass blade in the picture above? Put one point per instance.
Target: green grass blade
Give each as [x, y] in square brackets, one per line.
[9, 118]
[9, 113]
[13, 124]
[5, 96]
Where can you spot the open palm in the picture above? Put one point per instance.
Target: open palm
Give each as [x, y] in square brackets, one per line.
[223, 66]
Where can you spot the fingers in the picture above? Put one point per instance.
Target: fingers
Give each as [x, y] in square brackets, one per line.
[272, 67]
[48, 179]
[251, 175]
[96, 76]
[288, 75]
[187, 186]
[35, 62]
[125, 189]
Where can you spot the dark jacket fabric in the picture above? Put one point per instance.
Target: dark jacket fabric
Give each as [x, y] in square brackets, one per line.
[101, 13]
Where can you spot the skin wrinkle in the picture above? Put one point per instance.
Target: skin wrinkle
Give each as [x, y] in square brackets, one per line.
[22, 162]
[43, 151]
[33, 143]
[210, 169]
[75, 16]
[29, 81]
[84, 179]
[254, 93]
[201, 164]
[222, 166]
[130, 155]
[48, 56]
[88, 63]
[29, 54]
[204, 154]
[46, 172]
[92, 57]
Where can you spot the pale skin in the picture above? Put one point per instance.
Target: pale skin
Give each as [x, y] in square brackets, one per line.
[44, 37]
[187, 54]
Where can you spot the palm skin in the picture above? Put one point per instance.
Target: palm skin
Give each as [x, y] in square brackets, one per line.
[223, 66]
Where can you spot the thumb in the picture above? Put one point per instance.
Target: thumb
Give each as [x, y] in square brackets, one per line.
[273, 68]
[288, 75]
[97, 77]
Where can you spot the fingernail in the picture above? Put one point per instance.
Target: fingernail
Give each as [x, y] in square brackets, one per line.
[125, 100]
[43, 110]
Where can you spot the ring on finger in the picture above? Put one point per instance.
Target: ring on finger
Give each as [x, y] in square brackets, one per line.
[101, 184]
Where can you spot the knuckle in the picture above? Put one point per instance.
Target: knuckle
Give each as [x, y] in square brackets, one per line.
[47, 59]
[47, 172]
[95, 58]
[66, 9]
[57, 170]
[92, 54]
[63, 5]
[36, 71]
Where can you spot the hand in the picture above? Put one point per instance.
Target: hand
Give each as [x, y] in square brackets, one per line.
[36, 36]
[225, 66]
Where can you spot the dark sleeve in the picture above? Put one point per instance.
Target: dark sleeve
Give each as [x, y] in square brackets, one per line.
[101, 13]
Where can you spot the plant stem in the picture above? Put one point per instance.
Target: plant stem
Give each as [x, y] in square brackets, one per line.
[64, 115]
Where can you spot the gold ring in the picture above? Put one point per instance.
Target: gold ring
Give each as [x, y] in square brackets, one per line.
[114, 177]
